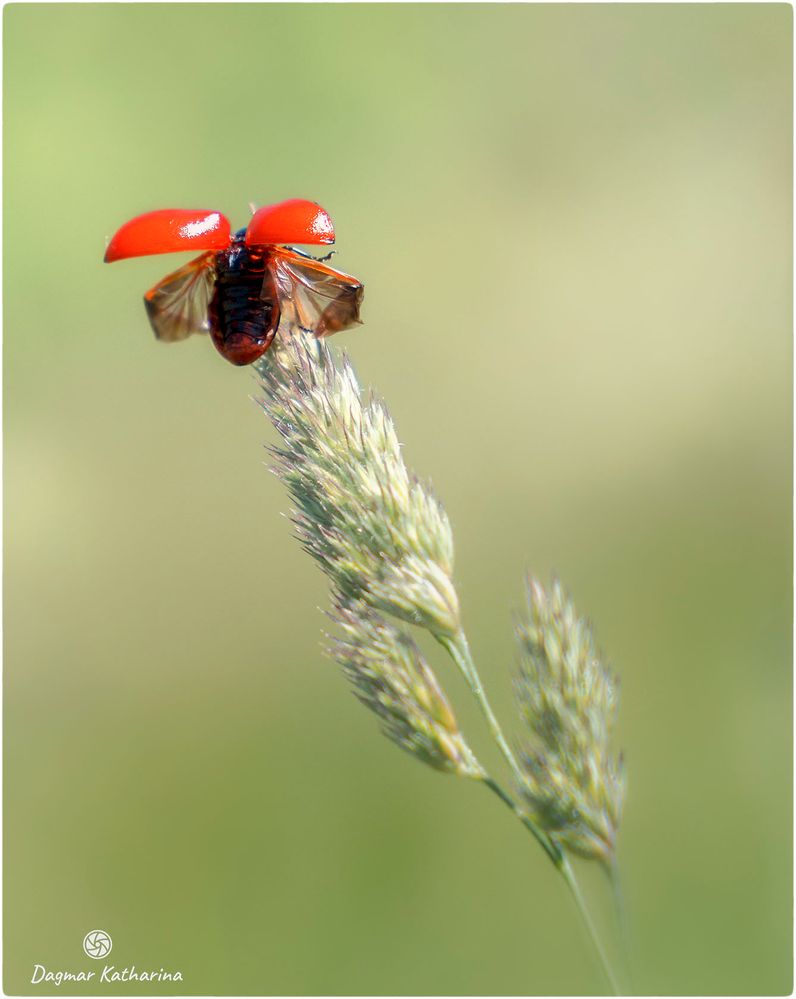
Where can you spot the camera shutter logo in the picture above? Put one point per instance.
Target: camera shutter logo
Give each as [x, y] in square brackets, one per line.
[97, 944]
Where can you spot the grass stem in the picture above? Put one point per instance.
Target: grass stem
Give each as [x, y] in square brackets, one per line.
[459, 651]
[612, 870]
[551, 848]
[563, 866]
[583, 909]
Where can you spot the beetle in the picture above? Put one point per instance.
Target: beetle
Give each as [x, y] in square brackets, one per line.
[245, 283]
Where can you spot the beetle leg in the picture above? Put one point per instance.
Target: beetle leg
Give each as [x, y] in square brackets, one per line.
[309, 256]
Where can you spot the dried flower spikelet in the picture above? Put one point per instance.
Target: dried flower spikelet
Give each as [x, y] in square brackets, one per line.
[376, 531]
[573, 784]
[391, 677]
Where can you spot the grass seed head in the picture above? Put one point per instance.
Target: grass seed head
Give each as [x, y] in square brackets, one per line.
[573, 785]
[377, 532]
[391, 677]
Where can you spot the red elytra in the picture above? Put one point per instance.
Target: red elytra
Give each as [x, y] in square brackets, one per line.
[293, 221]
[167, 230]
[243, 284]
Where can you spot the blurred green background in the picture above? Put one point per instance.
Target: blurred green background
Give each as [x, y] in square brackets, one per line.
[573, 223]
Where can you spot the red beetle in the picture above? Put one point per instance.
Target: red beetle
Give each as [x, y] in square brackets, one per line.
[242, 285]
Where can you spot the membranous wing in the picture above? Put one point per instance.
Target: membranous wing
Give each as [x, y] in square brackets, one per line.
[177, 305]
[312, 296]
